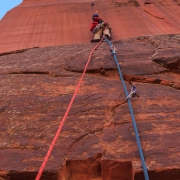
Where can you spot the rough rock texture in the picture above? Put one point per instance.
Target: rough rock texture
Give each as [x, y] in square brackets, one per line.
[97, 141]
[40, 23]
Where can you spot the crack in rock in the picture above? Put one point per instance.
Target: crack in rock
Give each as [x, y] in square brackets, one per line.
[82, 137]
[99, 71]
[162, 18]
[30, 72]
[40, 73]
[17, 51]
[128, 3]
[111, 113]
[151, 81]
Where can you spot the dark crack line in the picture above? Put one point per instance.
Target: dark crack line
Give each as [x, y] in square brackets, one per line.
[30, 72]
[17, 51]
[25, 148]
[38, 73]
[153, 15]
[148, 19]
[112, 111]
[162, 18]
[152, 81]
[91, 96]
[159, 72]
[81, 112]
[171, 24]
[82, 137]
[100, 71]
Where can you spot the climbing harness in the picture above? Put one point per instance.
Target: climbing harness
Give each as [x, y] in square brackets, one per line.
[131, 111]
[97, 27]
[64, 118]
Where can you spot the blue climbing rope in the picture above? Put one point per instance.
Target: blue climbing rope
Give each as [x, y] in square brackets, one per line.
[131, 111]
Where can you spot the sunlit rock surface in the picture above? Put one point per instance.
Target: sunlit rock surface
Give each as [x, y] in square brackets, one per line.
[44, 46]
[40, 23]
[97, 141]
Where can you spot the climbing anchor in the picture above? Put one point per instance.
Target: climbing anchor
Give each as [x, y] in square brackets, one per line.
[133, 92]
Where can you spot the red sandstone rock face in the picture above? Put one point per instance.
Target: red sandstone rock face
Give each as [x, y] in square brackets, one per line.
[97, 141]
[57, 22]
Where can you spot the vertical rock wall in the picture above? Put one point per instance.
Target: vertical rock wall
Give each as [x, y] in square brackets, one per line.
[47, 23]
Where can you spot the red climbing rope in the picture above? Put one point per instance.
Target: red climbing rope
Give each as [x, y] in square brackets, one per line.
[64, 118]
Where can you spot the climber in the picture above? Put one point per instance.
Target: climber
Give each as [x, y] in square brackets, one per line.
[98, 28]
[96, 21]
